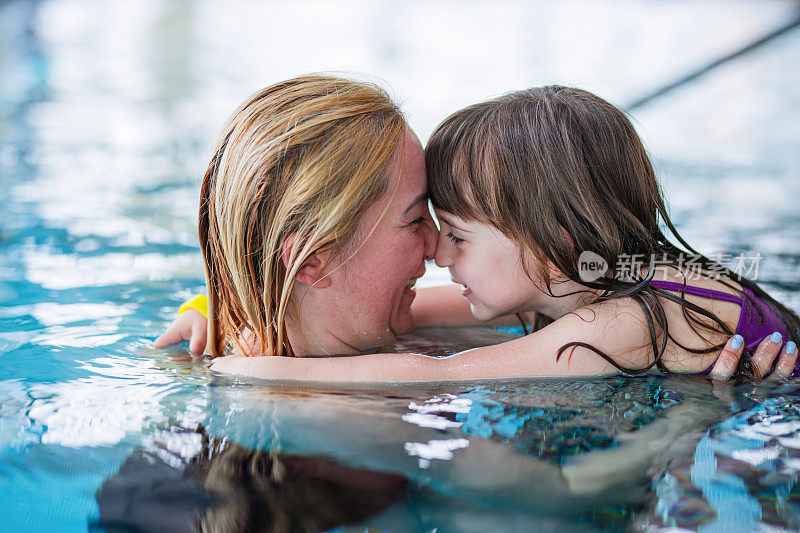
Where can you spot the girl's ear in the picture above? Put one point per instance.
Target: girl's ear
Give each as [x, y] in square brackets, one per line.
[552, 271]
[312, 271]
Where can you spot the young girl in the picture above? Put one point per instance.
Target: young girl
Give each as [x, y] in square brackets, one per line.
[549, 211]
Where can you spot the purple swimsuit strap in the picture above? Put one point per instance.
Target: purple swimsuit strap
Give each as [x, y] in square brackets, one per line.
[705, 293]
[697, 291]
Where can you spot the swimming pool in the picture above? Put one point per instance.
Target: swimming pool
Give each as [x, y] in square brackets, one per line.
[106, 114]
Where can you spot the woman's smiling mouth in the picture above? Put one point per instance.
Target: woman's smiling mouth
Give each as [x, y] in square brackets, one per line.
[411, 287]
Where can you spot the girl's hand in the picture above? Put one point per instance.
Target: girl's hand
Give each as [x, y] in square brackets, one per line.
[763, 358]
[190, 326]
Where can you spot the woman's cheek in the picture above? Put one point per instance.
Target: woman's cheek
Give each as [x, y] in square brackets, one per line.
[419, 245]
[410, 251]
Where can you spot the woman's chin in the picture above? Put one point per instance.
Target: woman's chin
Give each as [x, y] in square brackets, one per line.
[403, 330]
[403, 320]
[403, 324]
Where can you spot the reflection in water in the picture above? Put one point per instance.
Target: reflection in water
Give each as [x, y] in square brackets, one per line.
[564, 448]
[225, 487]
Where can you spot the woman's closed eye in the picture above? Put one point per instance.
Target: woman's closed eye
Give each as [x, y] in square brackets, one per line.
[423, 220]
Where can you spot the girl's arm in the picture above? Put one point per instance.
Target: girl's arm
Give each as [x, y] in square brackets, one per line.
[445, 306]
[614, 329]
[531, 356]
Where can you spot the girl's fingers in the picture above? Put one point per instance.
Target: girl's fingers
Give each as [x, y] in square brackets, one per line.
[765, 355]
[786, 362]
[728, 359]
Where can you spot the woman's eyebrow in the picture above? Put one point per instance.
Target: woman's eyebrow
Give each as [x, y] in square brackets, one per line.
[421, 198]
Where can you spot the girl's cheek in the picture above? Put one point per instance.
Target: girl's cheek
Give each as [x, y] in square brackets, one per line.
[461, 262]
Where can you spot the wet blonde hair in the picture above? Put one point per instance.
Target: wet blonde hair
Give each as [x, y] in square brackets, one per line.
[305, 157]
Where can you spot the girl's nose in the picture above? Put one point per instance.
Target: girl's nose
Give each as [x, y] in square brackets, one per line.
[442, 257]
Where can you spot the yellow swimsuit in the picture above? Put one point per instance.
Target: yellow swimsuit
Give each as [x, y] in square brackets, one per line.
[199, 303]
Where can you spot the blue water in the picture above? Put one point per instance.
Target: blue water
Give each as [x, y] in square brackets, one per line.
[107, 111]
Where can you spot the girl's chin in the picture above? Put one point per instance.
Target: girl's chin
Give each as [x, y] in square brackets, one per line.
[481, 313]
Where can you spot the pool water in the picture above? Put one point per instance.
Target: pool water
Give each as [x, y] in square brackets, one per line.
[150, 439]
[107, 112]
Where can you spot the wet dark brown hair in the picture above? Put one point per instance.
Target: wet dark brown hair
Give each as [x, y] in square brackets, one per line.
[561, 171]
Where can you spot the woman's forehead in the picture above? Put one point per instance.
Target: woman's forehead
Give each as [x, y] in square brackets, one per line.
[408, 176]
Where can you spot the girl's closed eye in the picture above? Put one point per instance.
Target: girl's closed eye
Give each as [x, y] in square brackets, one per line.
[456, 240]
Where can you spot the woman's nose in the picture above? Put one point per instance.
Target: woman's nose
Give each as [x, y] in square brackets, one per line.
[431, 236]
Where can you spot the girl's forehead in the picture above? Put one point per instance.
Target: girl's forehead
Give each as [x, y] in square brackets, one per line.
[453, 220]
[441, 213]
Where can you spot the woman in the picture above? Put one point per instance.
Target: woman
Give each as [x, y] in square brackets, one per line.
[313, 221]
